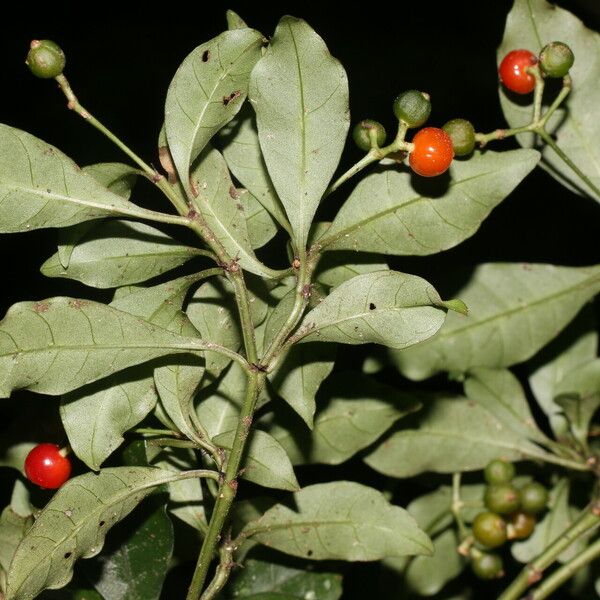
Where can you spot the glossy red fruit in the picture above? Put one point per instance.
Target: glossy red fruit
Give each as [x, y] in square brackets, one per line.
[47, 467]
[513, 71]
[432, 153]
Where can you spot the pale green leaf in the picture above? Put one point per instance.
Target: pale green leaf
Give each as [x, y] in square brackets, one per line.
[500, 393]
[57, 345]
[336, 267]
[386, 214]
[14, 455]
[427, 575]
[234, 21]
[116, 253]
[96, 416]
[134, 564]
[300, 95]
[41, 187]
[357, 412]
[575, 346]
[385, 307]
[578, 394]
[266, 461]
[260, 224]
[340, 520]
[245, 160]
[217, 200]
[451, 434]
[558, 518]
[207, 91]
[514, 310]
[300, 375]
[261, 580]
[277, 317]
[73, 525]
[532, 24]
[13, 528]
[119, 179]
[213, 312]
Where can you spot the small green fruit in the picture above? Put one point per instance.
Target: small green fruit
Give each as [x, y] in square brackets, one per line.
[534, 498]
[487, 566]
[45, 59]
[520, 525]
[462, 134]
[489, 529]
[412, 107]
[556, 59]
[499, 471]
[363, 131]
[502, 498]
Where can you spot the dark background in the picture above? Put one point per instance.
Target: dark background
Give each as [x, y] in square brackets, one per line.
[120, 66]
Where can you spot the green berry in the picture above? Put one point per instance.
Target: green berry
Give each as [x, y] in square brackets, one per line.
[462, 134]
[412, 107]
[534, 498]
[45, 59]
[556, 59]
[487, 566]
[489, 529]
[520, 525]
[502, 498]
[363, 132]
[499, 471]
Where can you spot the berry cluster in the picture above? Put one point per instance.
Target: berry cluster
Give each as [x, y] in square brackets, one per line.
[511, 515]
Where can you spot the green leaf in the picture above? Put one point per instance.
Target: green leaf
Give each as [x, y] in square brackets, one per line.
[13, 528]
[119, 179]
[41, 187]
[57, 345]
[186, 500]
[133, 566]
[234, 21]
[260, 580]
[300, 375]
[386, 214]
[500, 392]
[96, 416]
[300, 95]
[206, 93]
[217, 201]
[245, 160]
[14, 456]
[116, 253]
[336, 267]
[266, 462]
[514, 310]
[532, 24]
[427, 575]
[358, 411]
[340, 520]
[560, 515]
[260, 224]
[73, 525]
[574, 347]
[213, 312]
[385, 307]
[451, 434]
[578, 394]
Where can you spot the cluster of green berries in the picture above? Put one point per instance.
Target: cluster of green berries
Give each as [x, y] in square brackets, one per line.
[511, 515]
[516, 68]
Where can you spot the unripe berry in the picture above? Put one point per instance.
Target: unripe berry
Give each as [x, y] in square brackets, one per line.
[489, 529]
[499, 471]
[534, 498]
[412, 107]
[45, 59]
[556, 59]
[502, 498]
[462, 134]
[487, 566]
[363, 131]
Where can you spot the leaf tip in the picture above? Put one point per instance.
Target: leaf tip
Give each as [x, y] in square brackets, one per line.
[456, 305]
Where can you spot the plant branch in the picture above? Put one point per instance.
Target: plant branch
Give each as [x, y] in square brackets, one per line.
[564, 573]
[457, 505]
[222, 573]
[586, 522]
[228, 487]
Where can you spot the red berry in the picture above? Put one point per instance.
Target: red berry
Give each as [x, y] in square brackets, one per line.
[513, 71]
[432, 152]
[47, 467]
